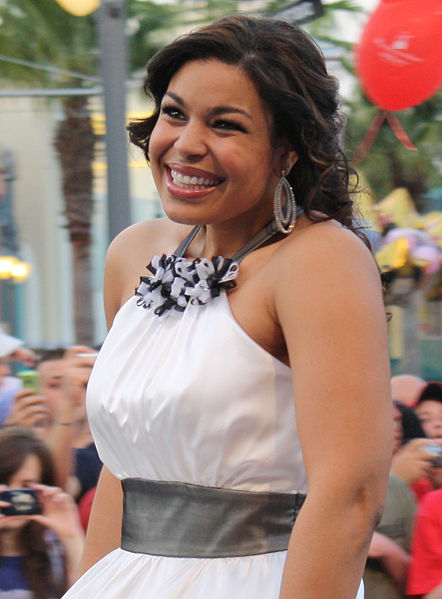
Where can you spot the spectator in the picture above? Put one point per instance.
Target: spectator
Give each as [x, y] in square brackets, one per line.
[425, 574]
[429, 409]
[58, 414]
[77, 463]
[388, 557]
[10, 349]
[36, 409]
[38, 553]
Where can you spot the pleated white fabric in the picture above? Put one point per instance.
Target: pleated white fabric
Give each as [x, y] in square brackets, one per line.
[191, 397]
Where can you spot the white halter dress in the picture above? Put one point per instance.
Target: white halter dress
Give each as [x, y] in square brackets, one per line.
[190, 397]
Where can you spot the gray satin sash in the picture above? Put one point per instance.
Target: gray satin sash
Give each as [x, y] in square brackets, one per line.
[177, 519]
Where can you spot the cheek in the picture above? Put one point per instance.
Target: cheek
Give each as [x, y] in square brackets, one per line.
[158, 145]
[160, 139]
[247, 164]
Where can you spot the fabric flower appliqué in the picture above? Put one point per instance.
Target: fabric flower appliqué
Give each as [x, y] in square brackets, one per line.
[176, 282]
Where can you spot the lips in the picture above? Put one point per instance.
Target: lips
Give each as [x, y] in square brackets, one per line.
[190, 183]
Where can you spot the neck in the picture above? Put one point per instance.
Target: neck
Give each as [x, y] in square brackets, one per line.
[226, 238]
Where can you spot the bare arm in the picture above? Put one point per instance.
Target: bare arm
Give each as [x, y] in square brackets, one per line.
[394, 559]
[128, 255]
[328, 302]
[104, 529]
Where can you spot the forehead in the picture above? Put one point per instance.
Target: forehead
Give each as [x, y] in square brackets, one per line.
[30, 469]
[214, 83]
[429, 406]
[51, 368]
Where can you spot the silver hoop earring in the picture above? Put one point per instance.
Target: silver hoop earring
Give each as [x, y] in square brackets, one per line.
[285, 218]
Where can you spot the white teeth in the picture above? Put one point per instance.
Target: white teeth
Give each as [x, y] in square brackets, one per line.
[192, 182]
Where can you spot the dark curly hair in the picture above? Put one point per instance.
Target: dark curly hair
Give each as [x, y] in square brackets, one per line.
[289, 72]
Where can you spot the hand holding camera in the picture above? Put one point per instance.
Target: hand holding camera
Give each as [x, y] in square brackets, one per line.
[28, 410]
[50, 506]
[413, 461]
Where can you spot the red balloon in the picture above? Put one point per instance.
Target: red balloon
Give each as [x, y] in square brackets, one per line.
[399, 58]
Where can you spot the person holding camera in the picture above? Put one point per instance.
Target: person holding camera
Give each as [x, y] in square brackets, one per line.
[55, 409]
[425, 573]
[41, 538]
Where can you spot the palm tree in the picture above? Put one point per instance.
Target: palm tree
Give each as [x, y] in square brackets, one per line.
[416, 170]
[35, 35]
[49, 48]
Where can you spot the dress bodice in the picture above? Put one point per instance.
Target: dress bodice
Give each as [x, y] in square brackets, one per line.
[190, 397]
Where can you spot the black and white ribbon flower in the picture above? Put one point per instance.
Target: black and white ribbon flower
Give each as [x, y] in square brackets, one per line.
[176, 282]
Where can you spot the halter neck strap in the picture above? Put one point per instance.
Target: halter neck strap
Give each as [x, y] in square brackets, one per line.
[266, 233]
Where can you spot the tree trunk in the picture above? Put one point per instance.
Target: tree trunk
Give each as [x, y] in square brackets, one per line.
[82, 277]
[74, 143]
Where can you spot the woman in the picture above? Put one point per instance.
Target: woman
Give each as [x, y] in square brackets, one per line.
[39, 552]
[191, 398]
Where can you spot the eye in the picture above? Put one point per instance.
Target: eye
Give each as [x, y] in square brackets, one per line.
[228, 126]
[172, 111]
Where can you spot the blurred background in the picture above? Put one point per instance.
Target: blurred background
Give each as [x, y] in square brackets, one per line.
[71, 74]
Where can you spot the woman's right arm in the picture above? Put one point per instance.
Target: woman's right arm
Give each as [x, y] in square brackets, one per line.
[125, 261]
[104, 529]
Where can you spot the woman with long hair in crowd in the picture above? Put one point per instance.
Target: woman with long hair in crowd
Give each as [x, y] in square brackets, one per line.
[241, 401]
[39, 553]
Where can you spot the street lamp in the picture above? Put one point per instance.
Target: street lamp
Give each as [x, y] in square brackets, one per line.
[14, 269]
[79, 8]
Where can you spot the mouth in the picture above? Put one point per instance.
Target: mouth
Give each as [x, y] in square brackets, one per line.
[193, 182]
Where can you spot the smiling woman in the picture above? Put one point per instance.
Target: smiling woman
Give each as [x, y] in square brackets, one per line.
[240, 402]
[213, 127]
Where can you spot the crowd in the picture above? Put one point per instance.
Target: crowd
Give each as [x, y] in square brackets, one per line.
[405, 556]
[48, 455]
[46, 446]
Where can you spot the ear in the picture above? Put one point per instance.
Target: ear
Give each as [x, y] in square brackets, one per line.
[286, 158]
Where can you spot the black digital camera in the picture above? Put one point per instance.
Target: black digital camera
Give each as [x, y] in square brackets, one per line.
[23, 502]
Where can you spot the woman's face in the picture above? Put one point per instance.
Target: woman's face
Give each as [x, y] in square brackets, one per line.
[211, 152]
[429, 413]
[29, 472]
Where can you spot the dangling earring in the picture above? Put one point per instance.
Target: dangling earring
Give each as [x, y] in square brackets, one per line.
[285, 218]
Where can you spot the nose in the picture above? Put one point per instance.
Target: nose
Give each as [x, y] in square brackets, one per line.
[191, 140]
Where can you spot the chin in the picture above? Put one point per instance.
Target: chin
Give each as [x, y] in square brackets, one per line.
[184, 217]
[13, 523]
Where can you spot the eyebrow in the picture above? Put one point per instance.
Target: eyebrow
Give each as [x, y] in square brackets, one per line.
[216, 111]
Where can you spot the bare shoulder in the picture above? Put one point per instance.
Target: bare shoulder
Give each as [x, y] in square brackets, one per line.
[146, 236]
[326, 268]
[129, 254]
[326, 249]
